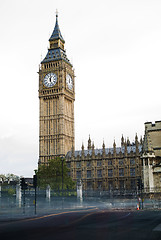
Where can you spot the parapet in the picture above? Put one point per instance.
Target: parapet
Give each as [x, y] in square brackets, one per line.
[153, 126]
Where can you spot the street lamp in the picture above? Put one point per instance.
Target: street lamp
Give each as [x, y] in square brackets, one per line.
[62, 159]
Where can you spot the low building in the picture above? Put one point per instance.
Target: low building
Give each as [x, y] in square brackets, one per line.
[107, 168]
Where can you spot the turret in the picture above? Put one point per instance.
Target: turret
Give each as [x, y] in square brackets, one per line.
[56, 49]
[93, 152]
[89, 143]
[82, 150]
[103, 149]
[122, 141]
[128, 142]
[136, 143]
[125, 144]
[114, 148]
[141, 141]
[56, 40]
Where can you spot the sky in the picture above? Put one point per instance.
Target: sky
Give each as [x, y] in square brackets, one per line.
[114, 46]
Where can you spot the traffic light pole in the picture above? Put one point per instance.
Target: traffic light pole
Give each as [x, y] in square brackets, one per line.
[35, 186]
[24, 200]
[140, 188]
[23, 187]
[35, 200]
[142, 200]
[62, 159]
[62, 177]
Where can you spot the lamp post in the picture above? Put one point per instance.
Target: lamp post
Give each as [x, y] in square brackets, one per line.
[62, 175]
[62, 159]
[35, 186]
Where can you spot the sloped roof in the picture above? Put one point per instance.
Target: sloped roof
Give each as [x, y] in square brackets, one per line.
[56, 34]
[107, 151]
[56, 54]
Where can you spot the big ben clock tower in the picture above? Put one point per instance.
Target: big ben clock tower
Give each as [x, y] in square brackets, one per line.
[56, 100]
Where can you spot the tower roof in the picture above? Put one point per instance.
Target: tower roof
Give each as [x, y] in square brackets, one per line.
[56, 54]
[56, 51]
[56, 32]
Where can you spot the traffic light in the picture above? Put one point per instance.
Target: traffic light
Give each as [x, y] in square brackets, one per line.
[35, 181]
[139, 183]
[23, 184]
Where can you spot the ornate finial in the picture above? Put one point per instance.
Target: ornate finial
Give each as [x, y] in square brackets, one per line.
[82, 146]
[93, 152]
[89, 143]
[103, 148]
[114, 148]
[125, 147]
[122, 141]
[56, 13]
[128, 142]
[136, 138]
[103, 145]
[141, 140]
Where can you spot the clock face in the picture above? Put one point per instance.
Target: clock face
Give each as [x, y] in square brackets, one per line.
[69, 81]
[50, 79]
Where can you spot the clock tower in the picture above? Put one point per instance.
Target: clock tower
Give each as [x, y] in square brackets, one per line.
[56, 100]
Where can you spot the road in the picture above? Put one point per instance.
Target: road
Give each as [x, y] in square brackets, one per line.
[85, 224]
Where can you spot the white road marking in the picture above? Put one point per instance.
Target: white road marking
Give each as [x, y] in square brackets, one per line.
[125, 216]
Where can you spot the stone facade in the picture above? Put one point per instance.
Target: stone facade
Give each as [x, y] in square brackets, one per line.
[107, 168]
[56, 98]
[152, 156]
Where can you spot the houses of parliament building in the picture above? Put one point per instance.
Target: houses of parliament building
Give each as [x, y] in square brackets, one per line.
[105, 168]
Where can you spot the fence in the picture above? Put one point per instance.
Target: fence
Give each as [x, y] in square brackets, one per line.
[11, 205]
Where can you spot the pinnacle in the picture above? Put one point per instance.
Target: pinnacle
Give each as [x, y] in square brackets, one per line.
[56, 32]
